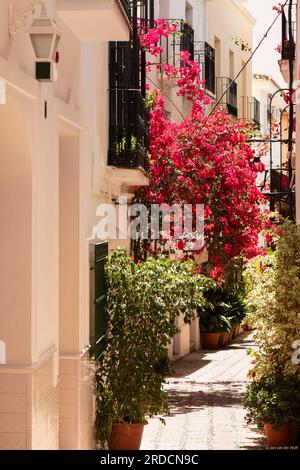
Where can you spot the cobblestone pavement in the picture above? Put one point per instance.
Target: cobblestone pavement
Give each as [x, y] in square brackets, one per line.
[205, 391]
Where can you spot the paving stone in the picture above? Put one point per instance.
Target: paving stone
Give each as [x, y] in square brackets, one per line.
[205, 391]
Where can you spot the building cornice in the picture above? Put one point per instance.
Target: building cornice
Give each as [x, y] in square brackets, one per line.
[267, 78]
[244, 10]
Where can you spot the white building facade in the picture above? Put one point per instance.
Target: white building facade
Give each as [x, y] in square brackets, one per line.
[54, 174]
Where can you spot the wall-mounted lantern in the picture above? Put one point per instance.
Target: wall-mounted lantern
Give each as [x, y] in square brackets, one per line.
[45, 37]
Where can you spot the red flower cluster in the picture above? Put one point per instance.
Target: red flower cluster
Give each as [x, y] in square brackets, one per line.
[278, 8]
[151, 38]
[206, 161]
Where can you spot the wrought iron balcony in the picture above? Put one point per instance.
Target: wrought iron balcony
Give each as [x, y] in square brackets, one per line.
[128, 117]
[251, 109]
[282, 190]
[128, 129]
[139, 12]
[204, 55]
[181, 40]
[227, 87]
[288, 46]
[280, 180]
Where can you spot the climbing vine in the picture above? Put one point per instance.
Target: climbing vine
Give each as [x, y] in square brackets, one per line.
[202, 160]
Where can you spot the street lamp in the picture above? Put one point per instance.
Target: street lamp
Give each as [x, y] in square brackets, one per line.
[45, 37]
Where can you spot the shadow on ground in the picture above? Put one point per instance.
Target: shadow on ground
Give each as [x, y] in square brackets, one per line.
[208, 405]
[198, 360]
[213, 394]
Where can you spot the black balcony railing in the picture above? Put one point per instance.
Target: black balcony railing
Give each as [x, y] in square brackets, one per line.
[251, 109]
[128, 117]
[282, 190]
[204, 55]
[288, 46]
[128, 129]
[256, 111]
[139, 11]
[227, 87]
[181, 40]
[127, 59]
[187, 39]
[280, 180]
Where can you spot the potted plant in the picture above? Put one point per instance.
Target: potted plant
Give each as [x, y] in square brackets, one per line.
[288, 48]
[143, 301]
[246, 326]
[225, 328]
[221, 313]
[215, 330]
[238, 309]
[273, 403]
[210, 334]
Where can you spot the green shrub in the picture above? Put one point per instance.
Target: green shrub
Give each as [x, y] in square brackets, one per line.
[273, 399]
[273, 285]
[143, 302]
[274, 300]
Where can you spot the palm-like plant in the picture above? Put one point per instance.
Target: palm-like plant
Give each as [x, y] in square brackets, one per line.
[223, 309]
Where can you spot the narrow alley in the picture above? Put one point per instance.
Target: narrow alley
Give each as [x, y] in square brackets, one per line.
[150, 218]
[206, 391]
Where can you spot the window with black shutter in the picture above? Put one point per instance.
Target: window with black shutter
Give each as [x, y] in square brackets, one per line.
[204, 55]
[128, 117]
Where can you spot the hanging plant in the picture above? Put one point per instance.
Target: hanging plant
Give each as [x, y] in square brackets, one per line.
[242, 44]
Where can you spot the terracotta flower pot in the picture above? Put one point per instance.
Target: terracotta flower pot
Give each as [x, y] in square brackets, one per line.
[126, 436]
[226, 338]
[230, 335]
[234, 332]
[284, 436]
[210, 340]
[222, 338]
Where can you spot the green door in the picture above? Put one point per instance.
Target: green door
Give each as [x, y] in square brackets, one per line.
[98, 256]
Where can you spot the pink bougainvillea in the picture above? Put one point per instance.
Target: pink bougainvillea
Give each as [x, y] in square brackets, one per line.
[204, 160]
[150, 40]
[278, 8]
